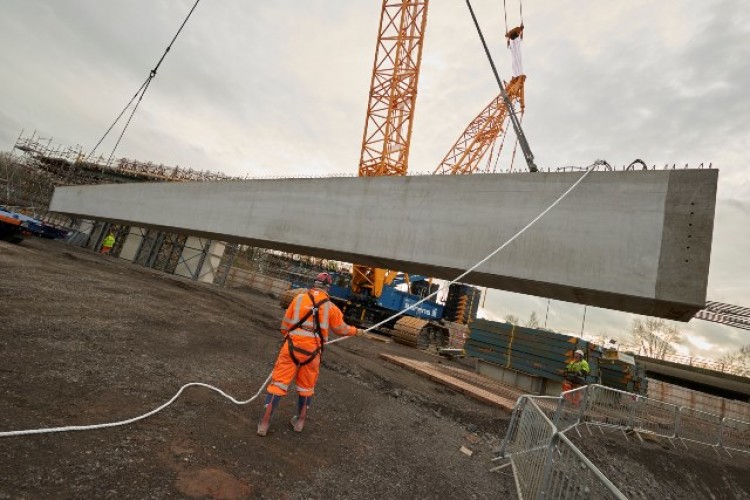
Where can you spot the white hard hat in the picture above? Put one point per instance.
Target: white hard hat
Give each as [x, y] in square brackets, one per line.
[578, 351]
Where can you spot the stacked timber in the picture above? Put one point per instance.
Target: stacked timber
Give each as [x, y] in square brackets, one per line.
[533, 351]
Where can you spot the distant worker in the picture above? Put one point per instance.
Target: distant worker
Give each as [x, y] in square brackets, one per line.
[575, 376]
[108, 243]
[305, 328]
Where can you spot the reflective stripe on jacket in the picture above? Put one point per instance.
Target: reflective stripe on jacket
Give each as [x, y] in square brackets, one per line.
[331, 318]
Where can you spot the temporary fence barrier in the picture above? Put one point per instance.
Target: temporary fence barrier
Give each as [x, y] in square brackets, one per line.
[546, 464]
[699, 427]
[735, 436]
[615, 408]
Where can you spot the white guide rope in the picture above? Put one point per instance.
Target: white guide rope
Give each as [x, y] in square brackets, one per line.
[238, 402]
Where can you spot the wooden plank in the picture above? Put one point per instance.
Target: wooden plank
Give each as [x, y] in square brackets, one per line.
[425, 369]
[378, 337]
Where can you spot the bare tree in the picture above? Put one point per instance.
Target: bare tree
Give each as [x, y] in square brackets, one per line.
[533, 321]
[740, 361]
[513, 320]
[655, 337]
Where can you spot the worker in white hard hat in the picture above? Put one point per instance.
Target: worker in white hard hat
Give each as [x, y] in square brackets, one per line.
[575, 376]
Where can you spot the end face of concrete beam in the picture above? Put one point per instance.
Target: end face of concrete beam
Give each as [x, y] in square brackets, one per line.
[632, 241]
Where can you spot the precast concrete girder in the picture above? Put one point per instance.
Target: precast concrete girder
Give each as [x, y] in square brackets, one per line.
[637, 241]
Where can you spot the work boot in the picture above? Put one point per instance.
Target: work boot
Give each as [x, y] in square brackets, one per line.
[272, 401]
[298, 421]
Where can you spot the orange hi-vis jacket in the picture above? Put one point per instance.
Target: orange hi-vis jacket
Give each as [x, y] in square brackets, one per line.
[331, 319]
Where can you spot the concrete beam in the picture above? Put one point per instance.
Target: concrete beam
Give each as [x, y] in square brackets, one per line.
[637, 241]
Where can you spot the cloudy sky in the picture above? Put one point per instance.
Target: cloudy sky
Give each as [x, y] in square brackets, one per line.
[280, 88]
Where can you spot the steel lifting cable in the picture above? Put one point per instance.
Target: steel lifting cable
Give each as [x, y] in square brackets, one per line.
[140, 92]
[515, 147]
[528, 155]
[500, 150]
[48, 430]
[505, 12]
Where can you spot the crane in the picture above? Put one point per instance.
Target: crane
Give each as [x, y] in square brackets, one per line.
[372, 296]
[484, 130]
[390, 111]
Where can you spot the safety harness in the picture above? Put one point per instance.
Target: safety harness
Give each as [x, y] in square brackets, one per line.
[315, 313]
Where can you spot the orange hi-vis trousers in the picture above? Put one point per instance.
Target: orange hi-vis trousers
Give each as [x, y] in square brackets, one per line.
[285, 371]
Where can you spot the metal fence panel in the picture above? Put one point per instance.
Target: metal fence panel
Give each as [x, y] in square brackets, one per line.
[615, 408]
[655, 417]
[572, 476]
[735, 435]
[529, 447]
[545, 463]
[699, 427]
[608, 407]
[571, 408]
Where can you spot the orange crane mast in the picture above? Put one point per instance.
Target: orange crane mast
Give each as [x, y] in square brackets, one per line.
[390, 110]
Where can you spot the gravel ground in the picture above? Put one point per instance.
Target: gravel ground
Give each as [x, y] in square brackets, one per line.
[88, 339]
[657, 468]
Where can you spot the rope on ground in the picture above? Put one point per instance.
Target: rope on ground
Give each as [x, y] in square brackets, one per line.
[50, 430]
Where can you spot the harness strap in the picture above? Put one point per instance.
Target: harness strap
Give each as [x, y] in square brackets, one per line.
[312, 355]
[314, 311]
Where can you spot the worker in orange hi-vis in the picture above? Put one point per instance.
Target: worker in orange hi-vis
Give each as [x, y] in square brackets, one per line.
[305, 327]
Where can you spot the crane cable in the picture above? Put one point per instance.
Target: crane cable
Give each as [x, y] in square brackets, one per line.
[528, 155]
[515, 148]
[140, 92]
[505, 13]
[69, 428]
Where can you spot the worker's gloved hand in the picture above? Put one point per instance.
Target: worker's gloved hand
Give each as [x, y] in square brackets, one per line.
[360, 332]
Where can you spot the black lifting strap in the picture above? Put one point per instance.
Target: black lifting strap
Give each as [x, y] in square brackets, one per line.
[315, 309]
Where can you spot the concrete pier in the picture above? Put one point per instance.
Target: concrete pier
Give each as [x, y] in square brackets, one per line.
[637, 241]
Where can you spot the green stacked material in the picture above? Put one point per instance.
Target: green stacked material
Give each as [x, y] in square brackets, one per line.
[530, 350]
[623, 374]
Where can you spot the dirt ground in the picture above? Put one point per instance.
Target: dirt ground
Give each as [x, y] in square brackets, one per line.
[89, 339]
[658, 468]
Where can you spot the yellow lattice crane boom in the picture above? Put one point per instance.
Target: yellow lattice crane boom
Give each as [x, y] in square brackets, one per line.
[390, 110]
[465, 155]
[393, 89]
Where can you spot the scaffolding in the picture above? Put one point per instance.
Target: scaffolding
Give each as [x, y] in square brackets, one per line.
[34, 167]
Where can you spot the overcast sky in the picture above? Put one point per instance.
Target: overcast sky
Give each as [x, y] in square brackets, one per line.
[280, 88]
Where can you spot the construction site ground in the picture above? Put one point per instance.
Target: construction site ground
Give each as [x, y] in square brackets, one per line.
[86, 339]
